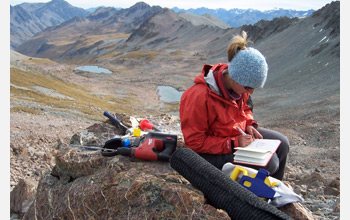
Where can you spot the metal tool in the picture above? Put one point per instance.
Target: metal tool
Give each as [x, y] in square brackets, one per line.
[116, 121]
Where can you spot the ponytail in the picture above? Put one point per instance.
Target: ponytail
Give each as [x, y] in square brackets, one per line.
[239, 42]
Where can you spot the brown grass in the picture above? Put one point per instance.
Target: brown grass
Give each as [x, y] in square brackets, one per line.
[25, 109]
[39, 61]
[140, 55]
[91, 105]
[176, 53]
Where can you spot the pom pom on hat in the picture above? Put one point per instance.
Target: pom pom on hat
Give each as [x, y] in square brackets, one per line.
[248, 68]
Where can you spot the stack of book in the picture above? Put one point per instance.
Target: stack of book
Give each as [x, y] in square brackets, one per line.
[258, 153]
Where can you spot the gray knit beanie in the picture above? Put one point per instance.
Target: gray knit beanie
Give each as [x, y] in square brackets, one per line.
[248, 68]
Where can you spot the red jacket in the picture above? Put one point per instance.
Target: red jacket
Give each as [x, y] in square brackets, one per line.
[208, 120]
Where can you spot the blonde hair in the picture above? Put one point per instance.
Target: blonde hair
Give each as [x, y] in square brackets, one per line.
[239, 42]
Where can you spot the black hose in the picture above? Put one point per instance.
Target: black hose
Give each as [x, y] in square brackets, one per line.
[221, 191]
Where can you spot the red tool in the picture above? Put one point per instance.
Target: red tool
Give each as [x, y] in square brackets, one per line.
[156, 146]
[145, 124]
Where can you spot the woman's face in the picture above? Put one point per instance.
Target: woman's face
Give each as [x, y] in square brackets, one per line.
[232, 85]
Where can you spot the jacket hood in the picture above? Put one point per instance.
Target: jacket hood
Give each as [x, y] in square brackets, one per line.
[210, 80]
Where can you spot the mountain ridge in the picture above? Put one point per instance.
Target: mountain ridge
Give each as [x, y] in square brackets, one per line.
[238, 17]
[28, 19]
[99, 26]
[178, 32]
[42, 15]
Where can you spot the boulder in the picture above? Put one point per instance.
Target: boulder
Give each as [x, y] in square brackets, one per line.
[297, 211]
[86, 185]
[22, 196]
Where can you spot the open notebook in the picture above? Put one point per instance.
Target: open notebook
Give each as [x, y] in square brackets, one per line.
[258, 153]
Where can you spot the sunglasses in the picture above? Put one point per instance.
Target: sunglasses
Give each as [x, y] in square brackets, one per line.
[247, 88]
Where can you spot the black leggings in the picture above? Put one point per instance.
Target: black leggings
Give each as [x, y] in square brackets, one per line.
[277, 163]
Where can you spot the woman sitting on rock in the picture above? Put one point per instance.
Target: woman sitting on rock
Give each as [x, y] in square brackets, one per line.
[220, 101]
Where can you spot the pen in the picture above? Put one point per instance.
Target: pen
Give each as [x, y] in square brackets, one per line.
[242, 132]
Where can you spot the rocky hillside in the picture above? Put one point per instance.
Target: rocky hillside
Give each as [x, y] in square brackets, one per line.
[311, 55]
[28, 19]
[145, 32]
[79, 40]
[75, 38]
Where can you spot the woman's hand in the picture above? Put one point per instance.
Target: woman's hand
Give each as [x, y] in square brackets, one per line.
[244, 140]
[254, 133]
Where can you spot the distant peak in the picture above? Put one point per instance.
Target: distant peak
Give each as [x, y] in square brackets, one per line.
[104, 9]
[61, 2]
[141, 5]
[58, 1]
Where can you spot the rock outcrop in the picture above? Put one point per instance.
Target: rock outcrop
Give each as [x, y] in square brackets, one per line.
[86, 185]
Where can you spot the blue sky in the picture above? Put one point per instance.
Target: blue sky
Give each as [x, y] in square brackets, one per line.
[185, 4]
